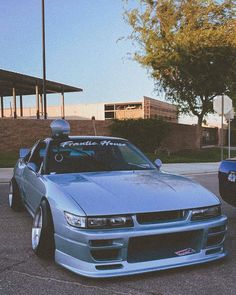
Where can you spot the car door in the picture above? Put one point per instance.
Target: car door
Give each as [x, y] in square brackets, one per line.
[33, 184]
[19, 170]
[18, 173]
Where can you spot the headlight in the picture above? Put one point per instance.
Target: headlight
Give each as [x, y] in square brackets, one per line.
[206, 213]
[75, 220]
[232, 176]
[99, 222]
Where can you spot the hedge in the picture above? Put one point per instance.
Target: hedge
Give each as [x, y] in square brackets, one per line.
[147, 134]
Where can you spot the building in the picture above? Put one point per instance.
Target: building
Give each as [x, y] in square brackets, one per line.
[144, 108]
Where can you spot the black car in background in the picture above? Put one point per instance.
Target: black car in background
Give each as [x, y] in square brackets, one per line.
[227, 181]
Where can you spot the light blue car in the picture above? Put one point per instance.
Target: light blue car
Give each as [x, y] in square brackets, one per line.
[102, 209]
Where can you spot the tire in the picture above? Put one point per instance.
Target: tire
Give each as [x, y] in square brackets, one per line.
[227, 195]
[43, 232]
[15, 201]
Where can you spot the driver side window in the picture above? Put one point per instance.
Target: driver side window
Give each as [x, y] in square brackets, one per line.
[38, 154]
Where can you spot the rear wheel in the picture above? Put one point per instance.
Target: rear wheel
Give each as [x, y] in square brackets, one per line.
[15, 201]
[43, 232]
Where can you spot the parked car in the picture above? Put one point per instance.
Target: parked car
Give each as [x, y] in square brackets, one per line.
[102, 209]
[227, 181]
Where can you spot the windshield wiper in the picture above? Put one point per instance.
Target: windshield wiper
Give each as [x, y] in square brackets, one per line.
[143, 166]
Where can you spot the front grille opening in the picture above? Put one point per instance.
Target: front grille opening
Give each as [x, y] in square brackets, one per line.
[216, 229]
[163, 246]
[105, 254]
[215, 240]
[100, 243]
[213, 251]
[158, 217]
[108, 267]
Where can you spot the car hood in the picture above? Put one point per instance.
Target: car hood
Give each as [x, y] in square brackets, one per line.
[108, 193]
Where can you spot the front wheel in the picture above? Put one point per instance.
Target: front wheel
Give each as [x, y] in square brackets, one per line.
[43, 232]
[14, 197]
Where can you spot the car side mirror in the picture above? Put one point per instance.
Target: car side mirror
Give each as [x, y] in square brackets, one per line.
[33, 167]
[158, 163]
[23, 152]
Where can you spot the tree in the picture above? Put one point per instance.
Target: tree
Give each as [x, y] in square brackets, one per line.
[189, 46]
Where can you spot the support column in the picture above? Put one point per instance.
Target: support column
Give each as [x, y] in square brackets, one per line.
[14, 102]
[44, 63]
[62, 106]
[10, 110]
[37, 101]
[21, 106]
[41, 103]
[2, 107]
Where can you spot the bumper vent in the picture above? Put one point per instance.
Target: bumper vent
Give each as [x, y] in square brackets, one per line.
[105, 255]
[108, 266]
[216, 236]
[163, 246]
[161, 217]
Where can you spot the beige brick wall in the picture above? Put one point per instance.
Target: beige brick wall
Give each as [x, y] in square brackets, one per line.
[18, 133]
[182, 137]
[15, 134]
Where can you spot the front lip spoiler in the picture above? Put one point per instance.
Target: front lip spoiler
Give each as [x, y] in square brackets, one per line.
[150, 266]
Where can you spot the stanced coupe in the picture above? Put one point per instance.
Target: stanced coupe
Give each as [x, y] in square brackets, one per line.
[100, 208]
[227, 181]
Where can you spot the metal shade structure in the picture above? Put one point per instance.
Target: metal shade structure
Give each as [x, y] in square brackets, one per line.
[13, 84]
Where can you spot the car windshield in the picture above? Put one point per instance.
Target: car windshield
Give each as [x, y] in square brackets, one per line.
[93, 155]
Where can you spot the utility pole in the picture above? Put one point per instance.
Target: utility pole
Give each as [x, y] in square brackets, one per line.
[44, 62]
[229, 137]
[222, 128]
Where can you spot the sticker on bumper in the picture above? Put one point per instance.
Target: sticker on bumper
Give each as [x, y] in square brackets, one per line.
[186, 251]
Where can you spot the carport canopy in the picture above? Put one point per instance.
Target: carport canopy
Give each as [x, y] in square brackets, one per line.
[13, 84]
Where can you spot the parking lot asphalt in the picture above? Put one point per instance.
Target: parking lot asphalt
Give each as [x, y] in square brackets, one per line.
[21, 272]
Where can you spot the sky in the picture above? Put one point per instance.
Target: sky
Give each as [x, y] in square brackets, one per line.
[82, 49]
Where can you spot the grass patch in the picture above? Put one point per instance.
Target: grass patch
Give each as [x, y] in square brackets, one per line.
[8, 159]
[192, 156]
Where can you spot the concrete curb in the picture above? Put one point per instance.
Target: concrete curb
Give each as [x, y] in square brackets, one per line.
[191, 168]
[6, 175]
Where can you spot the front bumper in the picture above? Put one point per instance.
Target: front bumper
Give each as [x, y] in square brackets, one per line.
[107, 253]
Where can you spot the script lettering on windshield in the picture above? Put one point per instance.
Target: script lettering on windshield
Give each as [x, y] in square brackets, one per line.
[92, 143]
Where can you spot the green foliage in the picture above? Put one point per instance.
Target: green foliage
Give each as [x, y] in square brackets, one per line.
[192, 156]
[8, 159]
[189, 46]
[147, 134]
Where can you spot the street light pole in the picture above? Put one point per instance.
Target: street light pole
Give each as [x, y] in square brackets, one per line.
[229, 143]
[44, 62]
[222, 128]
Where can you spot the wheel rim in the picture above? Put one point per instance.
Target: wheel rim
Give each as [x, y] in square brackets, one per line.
[10, 196]
[37, 229]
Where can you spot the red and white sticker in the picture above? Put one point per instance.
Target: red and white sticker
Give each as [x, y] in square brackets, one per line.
[186, 251]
